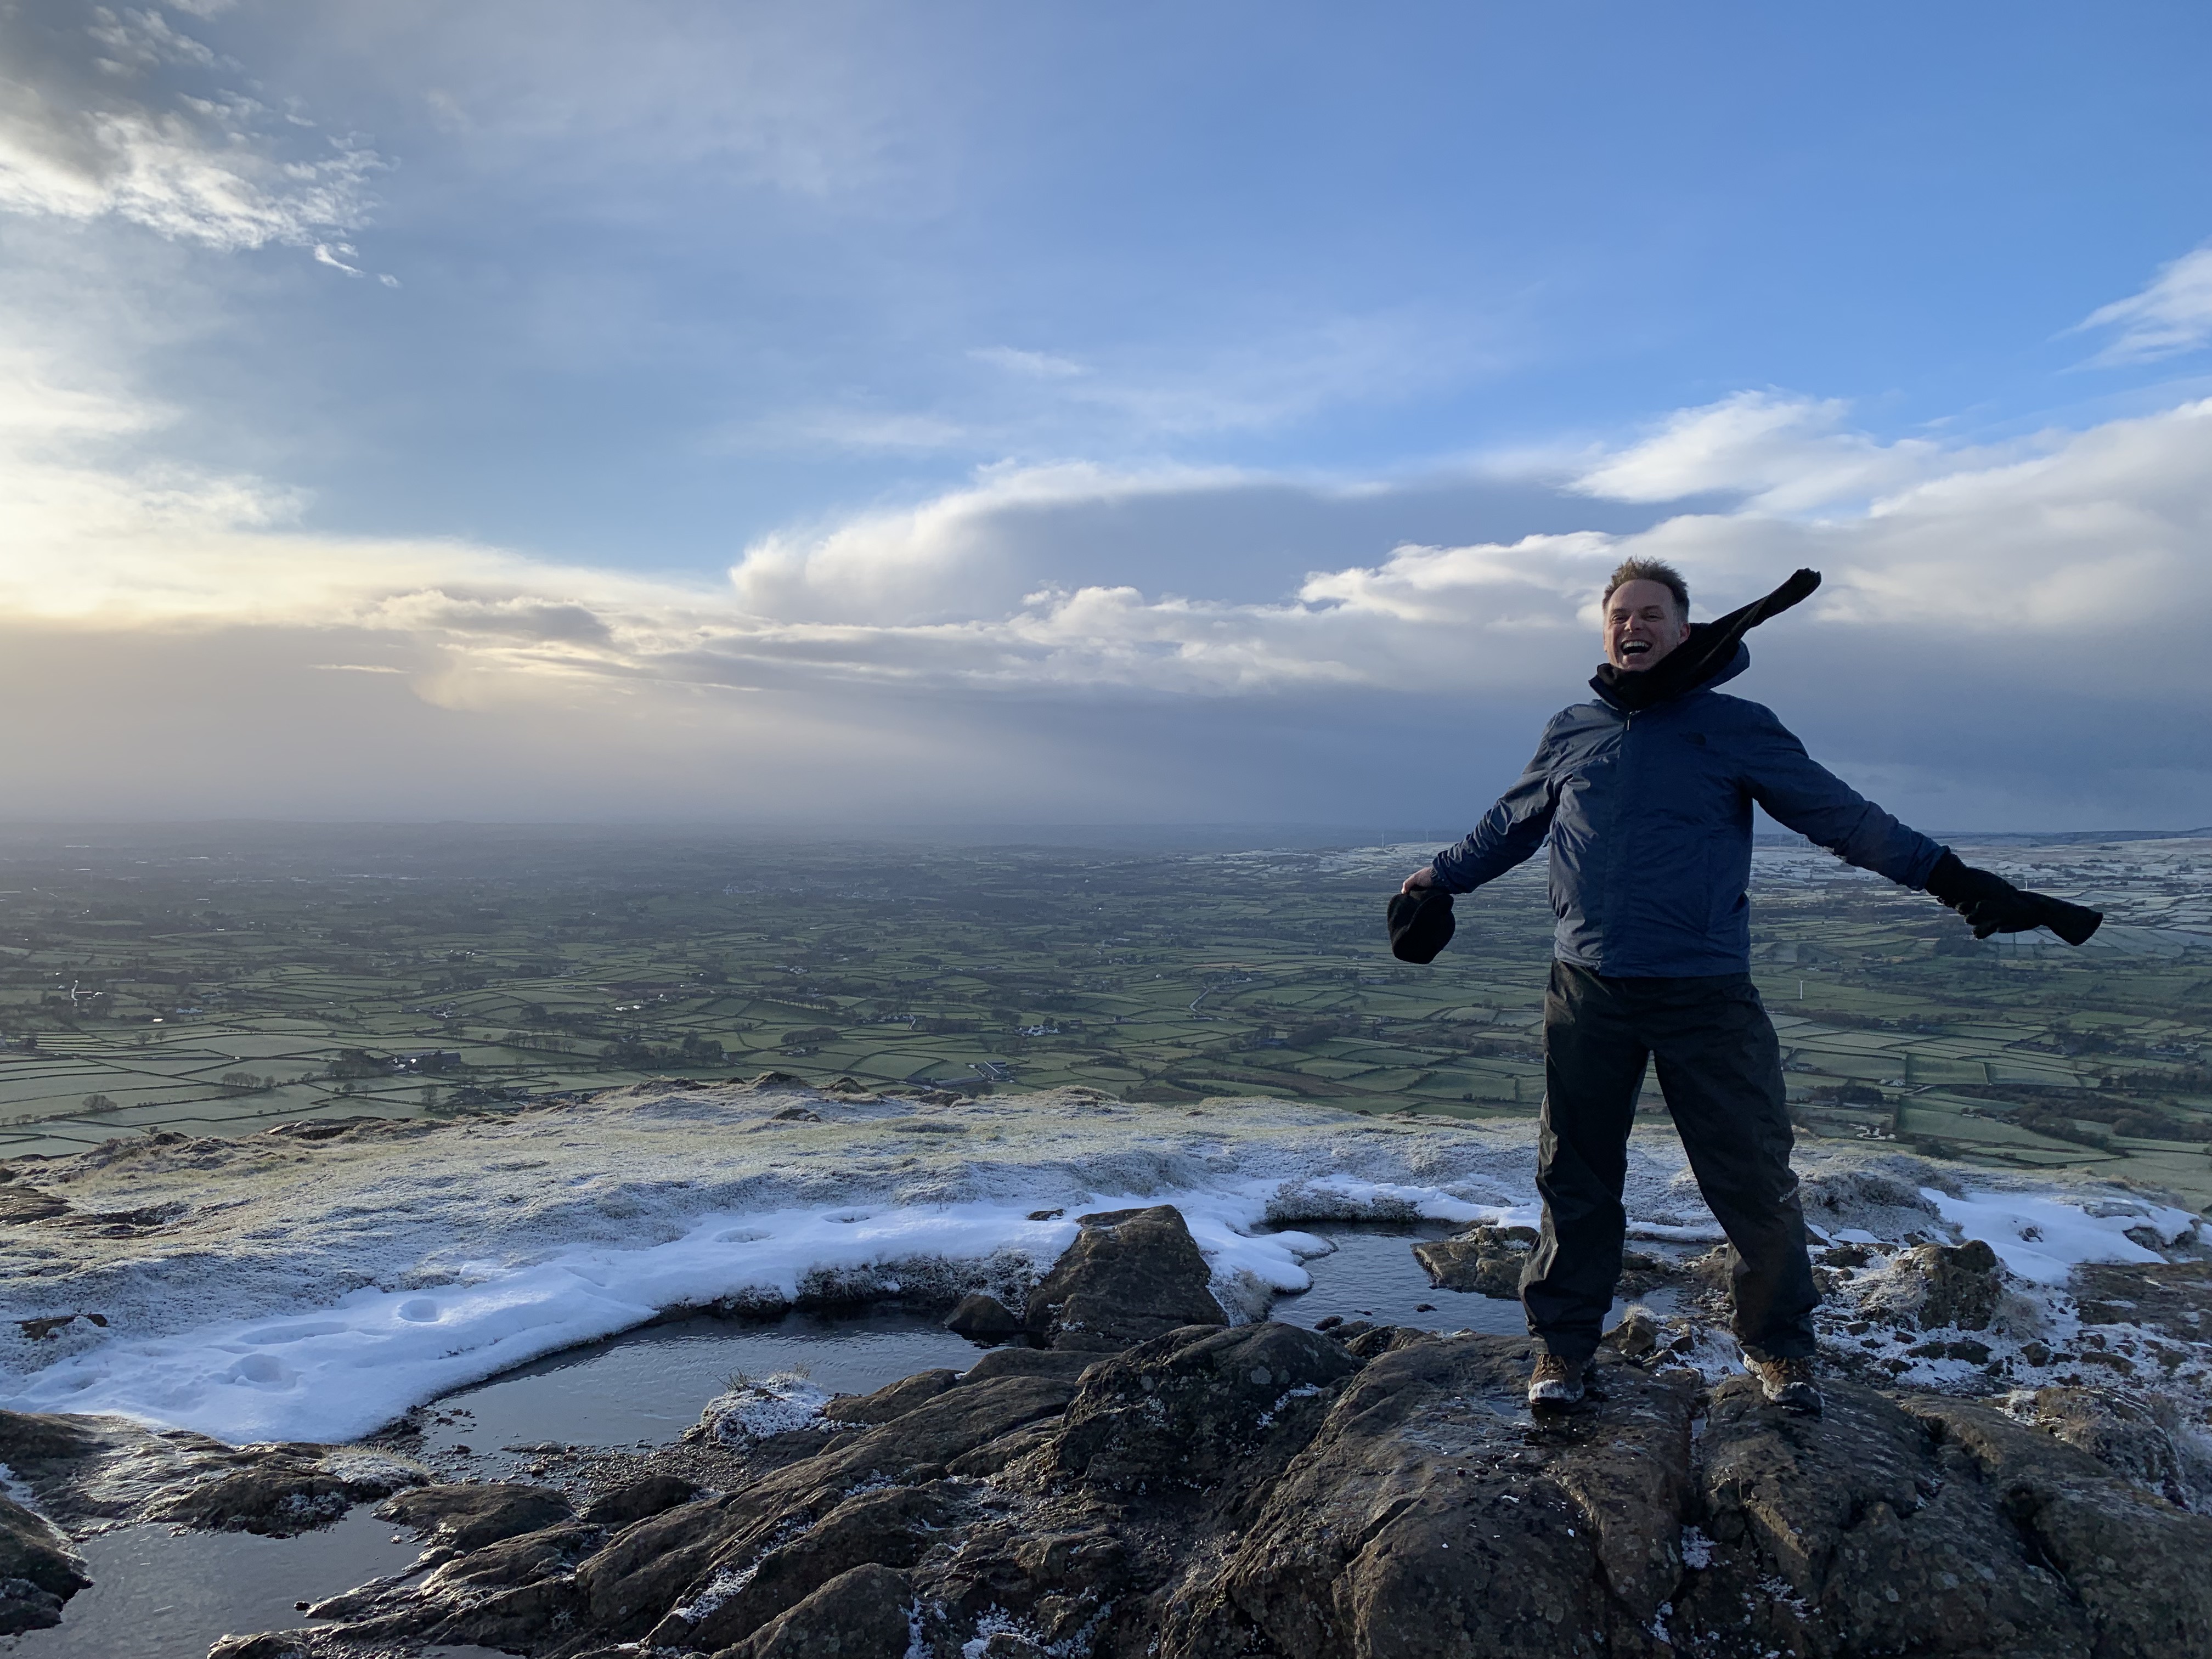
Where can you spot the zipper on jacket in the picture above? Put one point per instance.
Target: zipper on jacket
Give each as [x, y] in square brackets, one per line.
[1616, 835]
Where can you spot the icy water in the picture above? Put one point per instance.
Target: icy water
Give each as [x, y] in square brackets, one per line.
[1372, 1274]
[162, 1595]
[158, 1594]
[648, 1385]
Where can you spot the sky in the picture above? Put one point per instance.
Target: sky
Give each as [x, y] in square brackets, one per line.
[877, 414]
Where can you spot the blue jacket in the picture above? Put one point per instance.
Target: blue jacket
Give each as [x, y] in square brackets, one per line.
[1650, 820]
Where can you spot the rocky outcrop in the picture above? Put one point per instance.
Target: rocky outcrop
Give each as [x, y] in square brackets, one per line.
[1272, 1493]
[1130, 1275]
[638, 1500]
[863, 1614]
[88, 1471]
[895, 1400]
[1936, 1285]
[1431, 1516]
[39, 1570]
[892, 1529]
[984, 1318]
[279, 1491]
[1169, 1502]
[468, 1517]
[2148, 1445]
[1487, 1261]
[1199, 1407]
[2132, 1564]
[1261, 1490]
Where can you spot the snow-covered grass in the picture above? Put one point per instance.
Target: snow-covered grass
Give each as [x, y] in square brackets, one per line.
[316, 1291]
[760, 1408]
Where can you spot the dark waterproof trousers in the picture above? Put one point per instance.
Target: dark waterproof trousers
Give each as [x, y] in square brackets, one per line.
[1720, 1069]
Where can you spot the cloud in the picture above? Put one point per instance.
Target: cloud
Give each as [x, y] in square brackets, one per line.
[2172, 315]
[327, 254]
[942, 560]
[1781, 454]
[895, 656]
[850, 428]
[142, 39]
[1122, 398]
[90, 128]
[1037, 365]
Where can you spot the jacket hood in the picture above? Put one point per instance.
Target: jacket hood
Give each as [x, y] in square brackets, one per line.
[1714, 653]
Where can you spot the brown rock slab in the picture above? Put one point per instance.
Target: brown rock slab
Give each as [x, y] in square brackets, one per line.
[892, 1529]
[468, 1517]
[1486, 1260]
[1130, 1275]
[892, 1400]
[1956, 1285]
[627, 1505]
[984, 1318]
[860, 1614]
[279, 1491]
[1192, 1407]
[1430, 1517]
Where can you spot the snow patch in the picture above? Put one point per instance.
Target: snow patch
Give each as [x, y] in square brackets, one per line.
[2042, 1239]
[380, 1276]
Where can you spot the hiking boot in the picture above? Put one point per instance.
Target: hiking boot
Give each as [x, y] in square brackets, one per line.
[1789, 1383]
[1555, 1384]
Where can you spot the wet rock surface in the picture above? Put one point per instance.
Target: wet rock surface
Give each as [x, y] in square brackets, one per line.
[1210, 1490]
[39, 1570]
[469, 1517]
[85, 1471]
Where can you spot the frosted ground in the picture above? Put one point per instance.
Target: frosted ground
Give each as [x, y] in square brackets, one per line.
[284, 1287]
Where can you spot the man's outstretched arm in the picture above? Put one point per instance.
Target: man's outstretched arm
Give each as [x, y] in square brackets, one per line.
[1800, 792]
[1510, 832]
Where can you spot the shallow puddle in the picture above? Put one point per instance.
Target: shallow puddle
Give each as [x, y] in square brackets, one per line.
[649, 1385]
[159, 1595]
[1372, 1274]
[646, 1386]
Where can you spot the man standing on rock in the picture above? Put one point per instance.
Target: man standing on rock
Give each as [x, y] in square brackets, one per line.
[1646, 795]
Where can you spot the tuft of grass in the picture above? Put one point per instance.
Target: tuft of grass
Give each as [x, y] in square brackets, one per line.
[737, 1381]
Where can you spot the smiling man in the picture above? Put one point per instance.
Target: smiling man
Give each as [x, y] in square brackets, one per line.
[1646, 797]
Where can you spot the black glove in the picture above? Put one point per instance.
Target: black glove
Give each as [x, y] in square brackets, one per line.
[1993, 905]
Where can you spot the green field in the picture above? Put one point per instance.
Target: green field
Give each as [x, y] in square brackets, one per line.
[221, 981]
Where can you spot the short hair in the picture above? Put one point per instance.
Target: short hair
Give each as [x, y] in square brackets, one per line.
[1649, 570]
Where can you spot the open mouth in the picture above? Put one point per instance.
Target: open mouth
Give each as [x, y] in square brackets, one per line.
[1634, 647]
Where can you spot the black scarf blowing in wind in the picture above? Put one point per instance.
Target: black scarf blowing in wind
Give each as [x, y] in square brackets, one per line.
[1710, 647]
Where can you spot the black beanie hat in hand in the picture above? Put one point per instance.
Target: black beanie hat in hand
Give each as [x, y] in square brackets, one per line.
[1420, 924]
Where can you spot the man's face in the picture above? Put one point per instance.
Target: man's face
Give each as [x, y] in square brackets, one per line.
[1642, 625]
